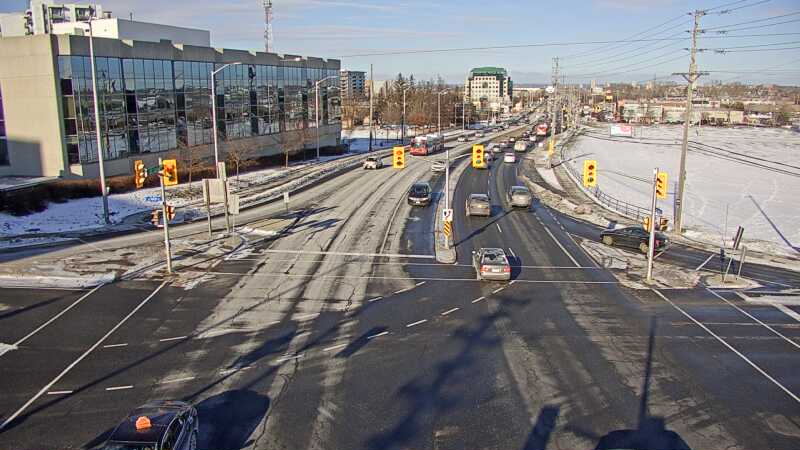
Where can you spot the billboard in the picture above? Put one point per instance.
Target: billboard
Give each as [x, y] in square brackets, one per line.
[619, 129]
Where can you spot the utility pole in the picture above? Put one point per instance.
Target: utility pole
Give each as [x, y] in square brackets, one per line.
[691, 78]
[652, 231]
[100, 157]
[371, 91]
[553, 107]
[165, 216]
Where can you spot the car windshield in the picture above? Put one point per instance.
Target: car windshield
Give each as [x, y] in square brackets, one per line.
[519, 191]
[419, 190]
[495, 259]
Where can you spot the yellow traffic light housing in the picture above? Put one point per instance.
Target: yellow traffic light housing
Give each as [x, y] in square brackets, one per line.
[478, 157]
[646, 223]
[661, 185]
[155, 217]
[399, 157]
[139, 173]
[170, 172]
[170, 212]
[590, 173]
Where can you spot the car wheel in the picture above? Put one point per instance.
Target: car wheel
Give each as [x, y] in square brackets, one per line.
[643, 248]
[608, 240]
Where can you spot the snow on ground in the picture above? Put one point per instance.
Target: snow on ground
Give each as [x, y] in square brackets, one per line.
[762, 200]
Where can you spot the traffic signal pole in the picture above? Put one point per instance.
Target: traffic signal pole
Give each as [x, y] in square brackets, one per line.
[165, 217]
[652, 230]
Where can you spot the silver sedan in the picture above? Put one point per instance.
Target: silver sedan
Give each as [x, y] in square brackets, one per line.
[519, 196]
[478, 205]
[491, 264]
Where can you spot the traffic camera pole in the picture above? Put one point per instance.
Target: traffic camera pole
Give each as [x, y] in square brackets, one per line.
[164, 217]
[652, 230]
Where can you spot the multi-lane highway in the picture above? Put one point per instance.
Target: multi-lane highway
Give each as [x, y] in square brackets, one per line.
[312, 341]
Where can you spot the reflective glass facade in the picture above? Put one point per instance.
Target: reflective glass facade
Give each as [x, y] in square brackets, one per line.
[153, 105]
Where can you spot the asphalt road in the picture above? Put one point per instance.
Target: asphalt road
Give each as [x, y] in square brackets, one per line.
[334, 348]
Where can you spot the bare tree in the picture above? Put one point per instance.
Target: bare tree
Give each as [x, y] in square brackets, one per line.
[240, 153]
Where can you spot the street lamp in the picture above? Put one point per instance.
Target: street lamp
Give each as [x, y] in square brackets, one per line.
[214, 112]
[100, 161]
[316, 105]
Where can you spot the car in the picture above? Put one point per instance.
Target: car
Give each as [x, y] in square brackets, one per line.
[491, 264]
[438, 167]
[462, 139]
[373, 163]
[419, 194]
[633, 237]
[157, 425]
[503, 144]
[510, 158]
[512, 139]
[520, 146]
[478, 205]
[519, 196]
[497, 149]
[479, 134]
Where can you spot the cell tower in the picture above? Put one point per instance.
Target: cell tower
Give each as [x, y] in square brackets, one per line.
[268, 26]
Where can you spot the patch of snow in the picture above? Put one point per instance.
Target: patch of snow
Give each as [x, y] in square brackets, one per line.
[42, 281]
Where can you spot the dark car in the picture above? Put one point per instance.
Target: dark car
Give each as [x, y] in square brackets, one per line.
[633, 237]
[419, 194]
[158, 425]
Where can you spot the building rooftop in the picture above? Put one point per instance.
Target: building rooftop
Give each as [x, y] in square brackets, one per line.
[488, 71]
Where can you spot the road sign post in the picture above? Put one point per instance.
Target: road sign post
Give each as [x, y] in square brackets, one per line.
[165, 216]
[652, 231]
[207, 201]
[223, 175]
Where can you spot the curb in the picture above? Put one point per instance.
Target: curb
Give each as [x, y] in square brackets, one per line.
[41, 281]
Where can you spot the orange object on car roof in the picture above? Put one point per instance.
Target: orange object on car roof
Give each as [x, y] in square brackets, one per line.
[142, 422]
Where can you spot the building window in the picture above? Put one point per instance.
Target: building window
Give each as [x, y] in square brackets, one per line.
[4, 160]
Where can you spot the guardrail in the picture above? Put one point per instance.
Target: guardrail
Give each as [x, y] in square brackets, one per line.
[610, 202]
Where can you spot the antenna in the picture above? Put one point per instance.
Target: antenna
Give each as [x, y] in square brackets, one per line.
[268, 26]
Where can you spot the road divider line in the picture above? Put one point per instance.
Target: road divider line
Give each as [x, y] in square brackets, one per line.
[421, 283]
[335, 347]
[232, 370]
[419, 322]
[479, 299]
[754, 318]
[497, 290]
[374, 299]
[383, 333]
[696, 269]
[511, 250]
[561, 246]
[115, 345]
[54, 318]
[730, 347]
[401, 291]
[177, 380]
[176, 338]
[63, 373]
[59, 392]
[449, 311]
[289, 357]
[387, 255]
[119, 388]
[498, 227]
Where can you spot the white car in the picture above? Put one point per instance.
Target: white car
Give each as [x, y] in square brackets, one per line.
[437, 167]
[462, 139]
[373, 163]
[510, 158]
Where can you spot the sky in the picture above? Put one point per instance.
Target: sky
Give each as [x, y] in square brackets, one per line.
[344, 29]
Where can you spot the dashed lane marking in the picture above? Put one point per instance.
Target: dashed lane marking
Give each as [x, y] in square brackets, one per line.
[115, 345]
[289, 358]
[511, 250]
[177, 380]
[383, 333]
[421, 283]
[729, 347]
[335, 347]
[401, 291]
[498, 227]
[704, 262]
[497, 290]
[776, 332]
[59, 392]
[176, 338]
[233, 369]
[419, 322]
[561, 246]
[119, 388]
[375, 299]
[449, 311]
[386, 255]
[479, 299]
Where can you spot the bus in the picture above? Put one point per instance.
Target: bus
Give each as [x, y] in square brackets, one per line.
[426, 145]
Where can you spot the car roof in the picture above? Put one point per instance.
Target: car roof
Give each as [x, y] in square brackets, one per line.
[479, 196]
[160, 412]
[420, 184]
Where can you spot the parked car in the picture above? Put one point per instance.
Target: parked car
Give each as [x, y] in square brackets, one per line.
[158, 425]
[438, 167]
[633, 237]
[519, 196]
[419, 194]
[510, 158]
[478, 205]
[373, 163]
[491, 264]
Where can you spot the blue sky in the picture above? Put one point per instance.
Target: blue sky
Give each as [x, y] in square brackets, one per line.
[338, 28]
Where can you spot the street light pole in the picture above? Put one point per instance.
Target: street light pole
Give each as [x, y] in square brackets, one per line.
[447, 162]
[403, 128]
[214, 112]
[316, 105]
[100, 160]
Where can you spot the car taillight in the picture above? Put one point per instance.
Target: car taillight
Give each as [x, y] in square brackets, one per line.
[506, 269]
[485, 268]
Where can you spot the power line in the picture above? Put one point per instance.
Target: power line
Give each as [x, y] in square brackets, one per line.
[612, 61]
[599, 49]
[725, 5]
[757, 26]
[751, 21]
[722, 50]
[726, 11]
[611, 71]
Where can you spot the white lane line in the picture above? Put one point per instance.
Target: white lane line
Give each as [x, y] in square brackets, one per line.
[177, 380]
[119, 388]
[232, 370]
[479, 299]
[54, 318]
[80, 358]
[374, 299]
[785, 309]
[782, 307]
[59, 392]
[273, 275]
[289, 357]
[512, 282]
[176, 338]
[421, 283]
[383, 333]
[757, 320]
[561, 246]
[115, 345]
[498, 227]
[444, 313]
[387, 255]
[497, 290]
[723, 342]
[401, 291]
[511, 250]
[335, 347]
[419, 322]
[704, 262]
[307, 316]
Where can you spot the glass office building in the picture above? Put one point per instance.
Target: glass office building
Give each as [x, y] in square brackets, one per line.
[156, 98]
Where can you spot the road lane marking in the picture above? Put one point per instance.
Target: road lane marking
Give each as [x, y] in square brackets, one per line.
[54, 318]
[498, 227]
[387, 255]
[757, 320]
[450, 311]
[307, 316]
[383, 333]
[289, 358]
[273, 275]
[375, 299]
[478, 299]
[335, 347]
[497, 290]
[561, 246]
[782, 307]
[401, 291]
[176, 338]
[232, 370]
[725, 343]
[59, 392]
[63, 373]
[421, 283]
[115, 345]
[511, 250]
[419, 322]
[119, 388]
[704, 262]
[177, 380]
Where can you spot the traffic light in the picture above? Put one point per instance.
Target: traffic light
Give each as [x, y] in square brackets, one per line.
[399, 157]
[155, 217]
[170, 212]
[478, 161]
[661, 185]
[139, 173]
[646, 223]
[590, 173]
[170, 168]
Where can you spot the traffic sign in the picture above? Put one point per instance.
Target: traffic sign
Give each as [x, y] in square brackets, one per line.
[447, 215]
[448, 228]
[152, 198]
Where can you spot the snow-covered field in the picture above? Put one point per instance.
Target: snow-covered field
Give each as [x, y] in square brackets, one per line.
[759, 194]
